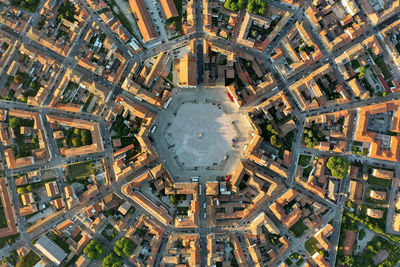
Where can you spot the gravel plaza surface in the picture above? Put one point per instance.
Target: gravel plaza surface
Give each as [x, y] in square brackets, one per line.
[202, 134]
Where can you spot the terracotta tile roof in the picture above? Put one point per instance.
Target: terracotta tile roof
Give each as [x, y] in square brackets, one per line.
[169, 8]
[51, 189]
[143, 19]
[375, 213]
[350, 237]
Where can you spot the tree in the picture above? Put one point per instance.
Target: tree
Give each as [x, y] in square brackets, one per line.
[235, 5]
[86, 138]
[227, 4]
[21, 190]
[241, 4]
[275, 141]
[257, 7]
[361, 72]
[173, 199]
[111, 260]
[94, 250]
[18, 78]
[271, 129]
[338, 166]
[77, 131]
[29, 188]
[14, 122]
[21, 262]
[76, 141]
[34, 84]
[123, 247]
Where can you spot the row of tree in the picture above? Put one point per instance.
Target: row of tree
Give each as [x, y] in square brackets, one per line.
[235, 5]
[312, 136]
[253, 6]
[81, 138]
[258, 7]
[122, 248]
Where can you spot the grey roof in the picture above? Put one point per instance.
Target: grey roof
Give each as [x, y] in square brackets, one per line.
[51, 250]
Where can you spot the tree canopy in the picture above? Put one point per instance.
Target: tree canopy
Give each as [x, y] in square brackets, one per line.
[275, 141]
[18, 78]
[312, 136]
[173, 199]
[338, 166]
[123, 247]
[258, 7]
[111, 260]
[86, 138]
[235, 5]
[21, 190]
[76, 142]
[361, 72]
[94, 250]
[14, 122]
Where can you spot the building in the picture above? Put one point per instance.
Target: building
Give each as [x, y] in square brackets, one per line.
[322, 236]
[11, 227]
[350, 237]
[375, 213]
[378, 149]
[51, 250]
[143, 20]
[51, 189]
[377, 195]
[263, 220]
[169, 8]
[187, 71]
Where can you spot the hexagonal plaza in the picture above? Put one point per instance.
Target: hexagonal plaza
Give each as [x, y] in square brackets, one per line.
[201, 134]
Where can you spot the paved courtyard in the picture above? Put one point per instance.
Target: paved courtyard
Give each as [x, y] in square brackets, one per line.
[208, 114]
[202, 134]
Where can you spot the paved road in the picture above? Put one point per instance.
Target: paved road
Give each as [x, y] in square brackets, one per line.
[181, 175]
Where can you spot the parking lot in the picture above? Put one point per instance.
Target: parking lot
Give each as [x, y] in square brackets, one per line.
[157, 18]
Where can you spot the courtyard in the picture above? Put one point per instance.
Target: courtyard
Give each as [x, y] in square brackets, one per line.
[201, 134]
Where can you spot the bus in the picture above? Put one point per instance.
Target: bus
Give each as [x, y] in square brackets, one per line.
[167, 103]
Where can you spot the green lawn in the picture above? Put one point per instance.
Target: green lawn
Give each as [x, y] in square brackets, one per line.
[288, 261]
[304, 160]
[81, 169]
[7, 240]
[3, 221]
[378, 181]
[307, 171]
[382, 65]
[298, 229]
[311, 245]
[31, 259]
[30, 6]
